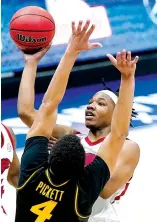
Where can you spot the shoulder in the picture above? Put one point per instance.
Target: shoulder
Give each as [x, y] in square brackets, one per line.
[98, 168]
[130, 144]
[131, 151]
[79, 134]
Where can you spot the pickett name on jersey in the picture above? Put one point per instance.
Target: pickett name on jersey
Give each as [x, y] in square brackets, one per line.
[49, 192]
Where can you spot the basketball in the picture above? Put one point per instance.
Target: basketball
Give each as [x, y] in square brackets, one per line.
[32, 28]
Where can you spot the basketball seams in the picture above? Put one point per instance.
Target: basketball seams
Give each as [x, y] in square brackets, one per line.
[33, 14]
[32, 30]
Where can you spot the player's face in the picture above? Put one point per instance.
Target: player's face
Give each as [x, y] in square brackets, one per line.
[99, 111]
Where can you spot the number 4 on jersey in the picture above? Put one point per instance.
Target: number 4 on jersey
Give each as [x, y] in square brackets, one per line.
[45, 213]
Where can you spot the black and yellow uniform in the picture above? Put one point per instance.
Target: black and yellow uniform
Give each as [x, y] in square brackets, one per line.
[41, 199]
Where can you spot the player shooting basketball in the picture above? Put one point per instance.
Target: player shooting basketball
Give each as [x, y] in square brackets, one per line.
[120, 120]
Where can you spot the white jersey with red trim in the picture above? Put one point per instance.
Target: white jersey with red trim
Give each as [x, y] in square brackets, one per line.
[103, 210]
[6, 158]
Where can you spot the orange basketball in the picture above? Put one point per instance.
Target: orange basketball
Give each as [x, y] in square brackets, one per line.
[32, 28]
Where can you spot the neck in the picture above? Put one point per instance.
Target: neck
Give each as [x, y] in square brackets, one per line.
[95, 134]
[55, 178]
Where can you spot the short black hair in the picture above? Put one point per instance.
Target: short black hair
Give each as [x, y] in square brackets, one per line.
[67, 157]
[134, 113]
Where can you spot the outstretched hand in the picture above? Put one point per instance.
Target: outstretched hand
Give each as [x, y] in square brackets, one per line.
[37, 56]
[79, 40]
[123, 63]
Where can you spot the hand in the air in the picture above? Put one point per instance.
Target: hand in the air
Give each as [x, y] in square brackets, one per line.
[79, 40]
[37, 56]
[123, 63]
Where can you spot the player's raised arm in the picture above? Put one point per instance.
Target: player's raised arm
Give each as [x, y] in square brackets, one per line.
[26, 95]
[46, 117]
[114, 142]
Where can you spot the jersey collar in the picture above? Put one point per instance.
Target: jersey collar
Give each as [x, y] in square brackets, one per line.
[90, 143]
